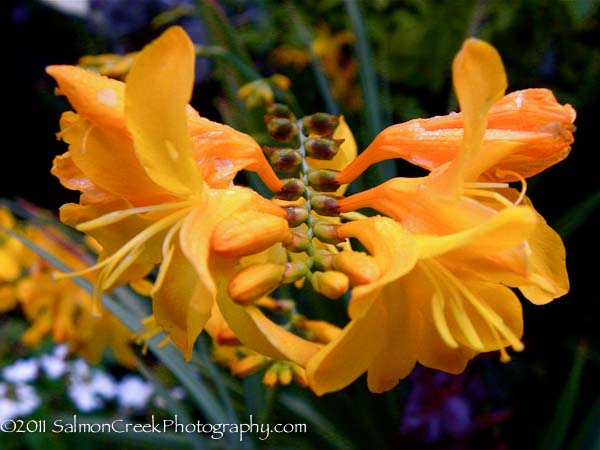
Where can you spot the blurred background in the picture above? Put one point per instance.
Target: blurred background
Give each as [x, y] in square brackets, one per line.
[377, 62]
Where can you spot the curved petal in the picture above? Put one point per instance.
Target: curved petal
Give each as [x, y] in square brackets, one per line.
[350, 354]
[99, 99]
[548, 272]
[393, 249]
[222, 152]
[181, 302]
[398, 355]
[158, 89]
[107, 160]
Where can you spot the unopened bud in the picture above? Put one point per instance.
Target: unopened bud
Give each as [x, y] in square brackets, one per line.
[296, 215]
[248, 365]
[271, 376]
[320, 330]
[248, 232]
[254, 282]
[299, 375]
[294, 271]
[285, 374]
[325, 205]
[227, 337]
[282, 129]
[285, 159]
[322, 148]
[279, 110]
[322, 124]
[322, 259]
[360, 267]
[331, 284]
[327, 232]
[323, 180]
[292, 189]
[298, 242]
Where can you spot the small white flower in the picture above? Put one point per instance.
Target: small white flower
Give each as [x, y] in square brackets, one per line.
[21, 371]
[17, 401]
[133, 392]
[103, 385]
[53, 366]
[84, 398]
[79, 8]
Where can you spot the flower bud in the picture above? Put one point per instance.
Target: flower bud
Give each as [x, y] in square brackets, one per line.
[248, 365]
[292, 189]
[294, 271]
[327, 232]
[254, 282]
[322, 148]
[299, 241]
[226, 336]
[325, 205]
[360, 267]
[271, 376]
[281, 129]
[285, 159]
[322, 124]
[248, 232]
[279, 110]
[331, 284]
[299, 375]
[323, 180]
[296, 215]
[320, 330]
[322, 259]
[285, 374]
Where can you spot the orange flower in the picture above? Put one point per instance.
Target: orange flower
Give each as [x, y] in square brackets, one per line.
[156, 182]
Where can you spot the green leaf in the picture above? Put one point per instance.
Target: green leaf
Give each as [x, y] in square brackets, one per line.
[556, 433]
[304, 37]
[368, 81]
[316, 420]
[168, 355]
[577, 215]
[587, 436]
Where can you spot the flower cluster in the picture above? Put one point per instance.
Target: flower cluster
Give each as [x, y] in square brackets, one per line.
[428, 279]
[58, 309]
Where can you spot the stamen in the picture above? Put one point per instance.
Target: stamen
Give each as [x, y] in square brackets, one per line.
[437, 308]
[117, 216]
[486, 312]
[137, 240]
[503, 172]
[485, 185]
[494, 195]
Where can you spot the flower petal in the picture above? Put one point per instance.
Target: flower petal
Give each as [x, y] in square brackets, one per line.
[398, 355]
[106, 158]
[181, 302]
[394, 252]
[345, 358]
[157, 92]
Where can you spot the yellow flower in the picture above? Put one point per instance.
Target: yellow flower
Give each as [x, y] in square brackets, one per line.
[447, 258]
[62, 310]
[422, 308]
[109, 64]
[156, 183]
[452, 198]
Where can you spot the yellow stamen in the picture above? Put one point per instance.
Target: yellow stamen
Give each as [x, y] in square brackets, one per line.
[135, 242]
[489, 194]
[486, 312]
[117, 216]
[504, 172]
